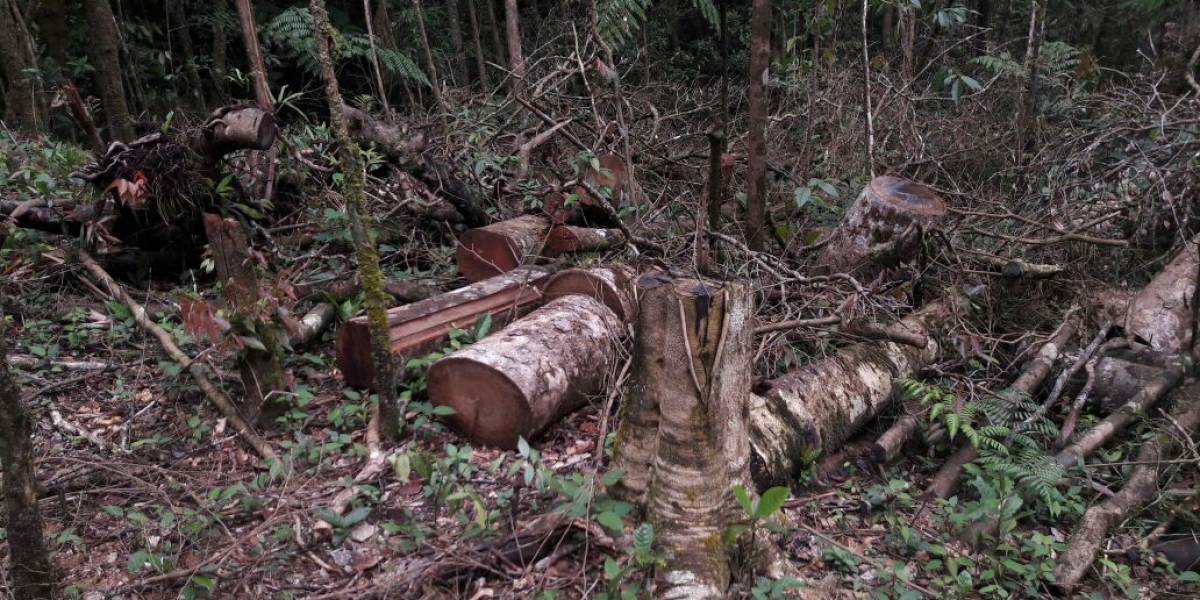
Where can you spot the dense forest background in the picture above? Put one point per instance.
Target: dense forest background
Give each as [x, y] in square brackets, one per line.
[202, 202]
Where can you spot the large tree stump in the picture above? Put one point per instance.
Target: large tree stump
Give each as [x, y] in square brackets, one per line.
[821, 405]
[516, 382]
[417, 326]
[883, 228]
[1162, 314]
[611, 285]
[683, 440]
[501, 247]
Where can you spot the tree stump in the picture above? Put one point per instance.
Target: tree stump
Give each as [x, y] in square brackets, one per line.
[518, 381]
[883, 228]
[500, 247]
[683, 440]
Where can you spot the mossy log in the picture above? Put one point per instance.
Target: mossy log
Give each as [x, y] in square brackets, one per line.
[516, 382]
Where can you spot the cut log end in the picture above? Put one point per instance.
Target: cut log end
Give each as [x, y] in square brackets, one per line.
[908, 196]
[609, 285]
[500, 247]
[485, 401]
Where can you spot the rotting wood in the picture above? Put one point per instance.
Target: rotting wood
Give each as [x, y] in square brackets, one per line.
[888, 446]
[821, 405]
[611, 285]
[1162, 314]
[214, 394]
[1093, 528]
[417, 326]
[516, 382]
[683, 439]
[501, 247]
[82, 116]
[883, 228]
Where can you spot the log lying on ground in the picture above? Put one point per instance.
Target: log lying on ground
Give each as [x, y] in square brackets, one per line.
[565, 239]
[1161, 315]
[501, 247]
[883, 228]
[683, 440]
[945, 482]
[887, 447]
[611, 285]
[822, 404]
[1093, 528]
[415, 327]
[518, 381]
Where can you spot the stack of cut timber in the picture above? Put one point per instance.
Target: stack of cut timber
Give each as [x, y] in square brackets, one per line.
[420, 325]
[516, 382]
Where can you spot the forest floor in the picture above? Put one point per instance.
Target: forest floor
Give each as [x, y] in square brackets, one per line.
[149, 494]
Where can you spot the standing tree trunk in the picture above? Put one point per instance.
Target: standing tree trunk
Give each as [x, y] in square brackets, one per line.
[189, 54]
[220, 62]
[52, 26]
[17, 60]
[105, 53]
[684, 439]
[459, 61]
[756, 193]
[1028, 103]
[262, 93]
[31, 576]
[369, 273]
[383, 98]
[480, 61]
[443, 108]
[512, 19]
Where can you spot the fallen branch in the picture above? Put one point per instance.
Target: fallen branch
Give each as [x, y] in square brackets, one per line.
[1094, 526]
[214, 395]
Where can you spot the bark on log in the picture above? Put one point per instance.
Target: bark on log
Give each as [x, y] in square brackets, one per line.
[883, 228]
[891, 442]
[1094, 526]
[611, 285]
[232, 128]
[683, 440]
[501, 247]
[1118, 380]
[566, 239]
[1147, 397]
[1162, 314]
[515, 383]
[821, 405]
[415, 327]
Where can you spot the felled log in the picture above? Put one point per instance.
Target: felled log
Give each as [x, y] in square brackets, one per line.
[611, 285]
[683, 441]
[887, 447]
[418, 326]
[500, 247]
[1118, 380]
[566, 239]
[1093, 528]
[1162, 314]
[821, 405]
[515, 383]
[883, 228]
[232, 128]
